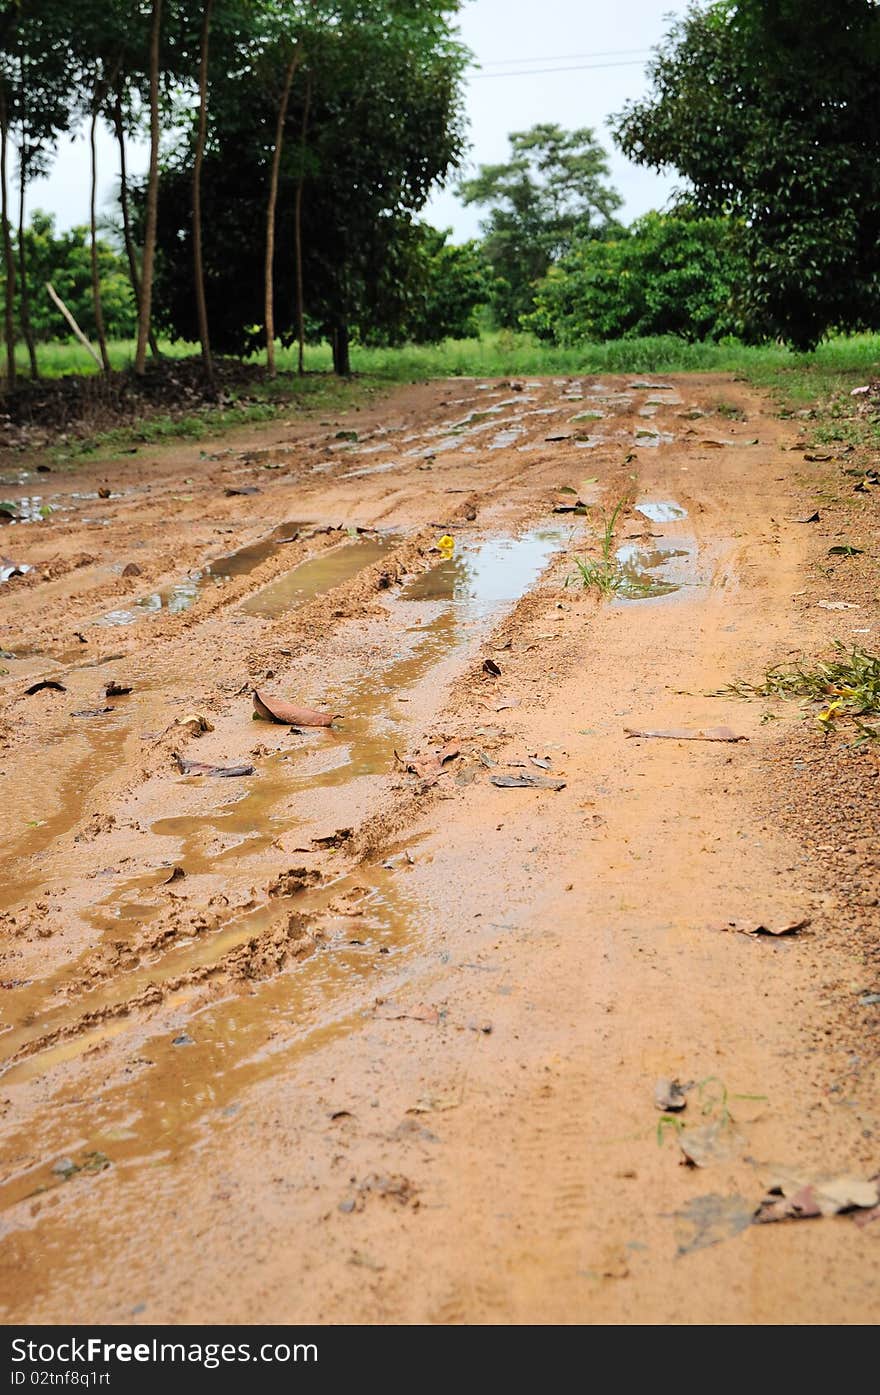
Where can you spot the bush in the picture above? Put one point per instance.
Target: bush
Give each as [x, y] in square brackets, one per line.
[666, 274]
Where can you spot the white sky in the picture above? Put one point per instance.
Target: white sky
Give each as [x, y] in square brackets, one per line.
[602, 44]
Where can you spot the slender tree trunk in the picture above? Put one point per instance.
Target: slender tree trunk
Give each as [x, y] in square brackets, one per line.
[341, 355]
[126, 214]
[8, 258]
[146, 301]
[198, 260]
[270, 213]
[297, 227]
[24, 289]
[93, 237]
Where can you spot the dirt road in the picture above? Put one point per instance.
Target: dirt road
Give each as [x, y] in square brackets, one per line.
[343, 1040]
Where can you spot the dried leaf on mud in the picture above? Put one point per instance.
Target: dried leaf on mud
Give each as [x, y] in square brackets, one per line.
[423, 1012]
[798, 1197]
[686, 734]
[751, 927]
[813, 518]
[45, 683]
[526, 782]
[91, 711]
[333, 840]
[114, 689]
[273, 709]
[718, 1141]
[195, 723]
[226, 772]
[490, 667]
[234, 489]
[431, 765]
[176, 874]
[131, 569]
[669, 1097]
[9, 569]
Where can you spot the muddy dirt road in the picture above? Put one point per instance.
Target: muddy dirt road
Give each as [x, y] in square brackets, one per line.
[366, 1035]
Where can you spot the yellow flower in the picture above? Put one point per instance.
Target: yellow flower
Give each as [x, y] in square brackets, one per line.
[446, 544]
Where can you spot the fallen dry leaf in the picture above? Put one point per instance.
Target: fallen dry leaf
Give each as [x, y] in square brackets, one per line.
[195, 723]
[796, 1197]
[233, 489]
[91, 711]
[526, 782]
[114, 689]
[131, 569]
[669, 1097]
[45, 683]
[423, 1012]
[431, 765]
[273, 709]
[490, 666]
[751, 927]
[227, 772]
[176, 874]
[8, 568]
[685, 734]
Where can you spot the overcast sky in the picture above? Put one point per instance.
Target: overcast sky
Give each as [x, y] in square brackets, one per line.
[569, 61]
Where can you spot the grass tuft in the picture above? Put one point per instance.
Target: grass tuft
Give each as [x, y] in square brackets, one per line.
[847, 687]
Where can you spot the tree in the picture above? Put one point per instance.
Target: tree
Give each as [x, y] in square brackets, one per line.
[383, 126]
[770, 109]
[551, 192]
[65, 260]
[146, 289]
[666, 274]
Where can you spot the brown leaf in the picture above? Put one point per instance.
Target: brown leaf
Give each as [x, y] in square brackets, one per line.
[233, 489]
[131, 569]
[423, 1012]
[751, 927]
[526, 782]
[176, 874]
[431, 765]
[333, 840]
[273, 709]
[91, 711]
[45, 683]
[797, 1198]
[669, 1097]
[114, 689]
[685, 734]
[490, 666]
[104, 492]
[197, 767]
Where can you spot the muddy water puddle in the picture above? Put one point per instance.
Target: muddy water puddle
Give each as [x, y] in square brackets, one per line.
[176, 1094]
[490, 574]
[319, 575]
[661, 510]
[181, 595]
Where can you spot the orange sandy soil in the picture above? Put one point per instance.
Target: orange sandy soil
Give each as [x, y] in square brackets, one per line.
[386, 1051]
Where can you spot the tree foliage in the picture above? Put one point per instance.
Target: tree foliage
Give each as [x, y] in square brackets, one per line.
[770, 109]
[666, 274]
[550, 194]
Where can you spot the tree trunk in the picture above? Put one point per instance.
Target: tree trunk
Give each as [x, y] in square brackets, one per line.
[146, 301]
[269, 272]
[8, 258]
[93, 236]
[198, 260]
[24, 291]
[341, 356]
[126, 214]
[297, 226]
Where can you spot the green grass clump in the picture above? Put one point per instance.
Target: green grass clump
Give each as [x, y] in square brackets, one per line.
[847, 686]
[603, 573]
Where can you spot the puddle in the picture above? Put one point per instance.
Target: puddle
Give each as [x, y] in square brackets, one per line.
[508, 437]
[653, 438]
[183, 594]
[168, 1102]
[320, 574]
[370, 469]
[649, 572]
[489, 574]
[172, 1097]
[661, 510]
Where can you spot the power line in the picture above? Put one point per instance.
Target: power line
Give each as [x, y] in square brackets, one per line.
[574, 68]
[561, 57]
